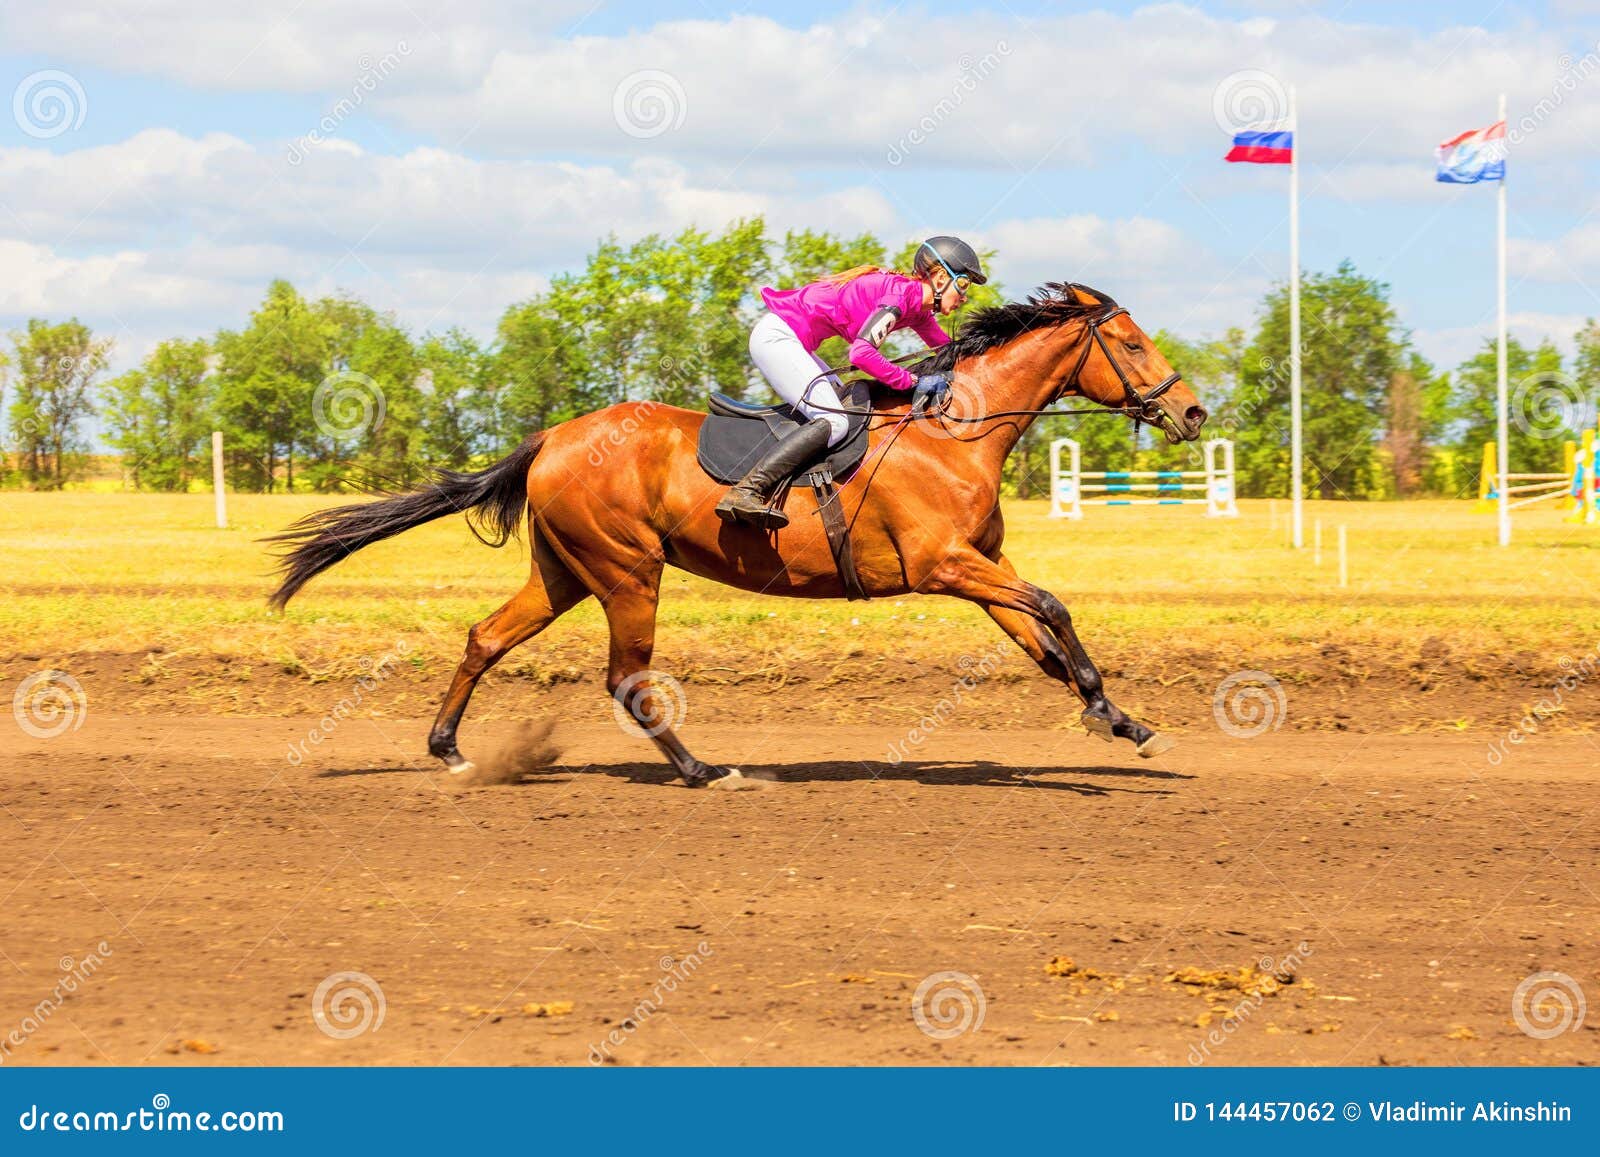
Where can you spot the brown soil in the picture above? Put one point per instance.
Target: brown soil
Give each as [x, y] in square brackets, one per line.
[1357, 688]
[1110, 910]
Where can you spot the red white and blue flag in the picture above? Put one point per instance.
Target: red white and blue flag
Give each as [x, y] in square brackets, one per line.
[1262, 144]
[1476, 155]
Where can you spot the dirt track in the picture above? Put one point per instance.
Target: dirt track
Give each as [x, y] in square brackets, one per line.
[1423, 883]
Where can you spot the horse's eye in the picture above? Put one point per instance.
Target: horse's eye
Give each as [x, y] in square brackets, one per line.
[1132, 346]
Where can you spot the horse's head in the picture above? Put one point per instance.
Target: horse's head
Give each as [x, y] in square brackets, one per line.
[1114, 363]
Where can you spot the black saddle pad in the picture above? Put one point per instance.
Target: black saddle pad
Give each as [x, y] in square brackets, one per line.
[736, 434]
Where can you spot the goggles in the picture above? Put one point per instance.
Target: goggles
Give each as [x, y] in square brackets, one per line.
[961, 281]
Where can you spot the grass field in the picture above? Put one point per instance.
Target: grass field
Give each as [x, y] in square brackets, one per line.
[174, 609]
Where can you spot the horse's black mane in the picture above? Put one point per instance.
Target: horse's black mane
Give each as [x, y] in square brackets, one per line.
[1050, 305]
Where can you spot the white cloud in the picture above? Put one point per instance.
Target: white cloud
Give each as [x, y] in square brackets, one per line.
[1574, 257]
[1051, 92]
[164, 232]
[243, 45]
[1167, 279]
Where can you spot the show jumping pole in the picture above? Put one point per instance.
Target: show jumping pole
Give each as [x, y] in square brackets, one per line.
[1501, 405]
[1297, 515]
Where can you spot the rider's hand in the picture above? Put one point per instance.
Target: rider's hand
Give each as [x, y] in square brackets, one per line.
[931, 391]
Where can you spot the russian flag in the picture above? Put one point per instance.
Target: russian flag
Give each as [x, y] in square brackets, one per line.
[1262, 145]
[1476, 155]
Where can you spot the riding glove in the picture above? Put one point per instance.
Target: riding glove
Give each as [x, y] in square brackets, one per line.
[931, 391]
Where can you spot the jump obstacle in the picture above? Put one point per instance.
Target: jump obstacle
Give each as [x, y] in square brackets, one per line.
[1575, 487]
[1069, 483]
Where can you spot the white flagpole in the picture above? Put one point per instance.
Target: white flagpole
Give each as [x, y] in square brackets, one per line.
[1297, 516]
[1501, 405]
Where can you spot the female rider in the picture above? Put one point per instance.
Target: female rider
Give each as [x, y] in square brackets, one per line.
[864, 306]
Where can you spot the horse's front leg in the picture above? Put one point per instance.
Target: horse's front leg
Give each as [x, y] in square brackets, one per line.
[1042, 626]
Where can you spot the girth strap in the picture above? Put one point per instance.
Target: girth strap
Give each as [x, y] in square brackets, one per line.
[833, 525]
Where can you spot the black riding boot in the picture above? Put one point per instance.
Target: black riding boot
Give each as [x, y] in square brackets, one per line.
[747, 500]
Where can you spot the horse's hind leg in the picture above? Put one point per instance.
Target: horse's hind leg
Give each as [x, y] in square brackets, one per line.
[551, 591]
[629, 598]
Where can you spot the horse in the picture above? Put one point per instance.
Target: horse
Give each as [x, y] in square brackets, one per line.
[924, 512]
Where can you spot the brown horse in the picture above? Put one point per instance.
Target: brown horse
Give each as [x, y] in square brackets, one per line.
[925, 510]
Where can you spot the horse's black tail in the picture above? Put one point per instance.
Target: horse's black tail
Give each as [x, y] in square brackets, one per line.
[493, 501]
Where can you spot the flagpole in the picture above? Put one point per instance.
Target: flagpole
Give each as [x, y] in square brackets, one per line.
[1501, 405]
[1297, 516]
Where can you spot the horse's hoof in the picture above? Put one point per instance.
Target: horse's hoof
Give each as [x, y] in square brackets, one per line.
[1098, 725]
[1156, 745]
[710, 775]
[732, 779]
[459, 765]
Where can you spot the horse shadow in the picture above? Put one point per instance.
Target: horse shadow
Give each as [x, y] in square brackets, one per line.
[929, 773]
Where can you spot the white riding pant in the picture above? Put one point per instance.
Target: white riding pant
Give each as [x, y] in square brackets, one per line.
[790, 369]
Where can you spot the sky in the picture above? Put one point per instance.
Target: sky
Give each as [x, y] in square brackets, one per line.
[163, 160]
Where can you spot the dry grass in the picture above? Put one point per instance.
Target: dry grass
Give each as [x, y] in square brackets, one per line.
[1159, 591]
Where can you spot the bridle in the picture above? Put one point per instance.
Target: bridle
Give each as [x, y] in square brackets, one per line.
[1140, 407]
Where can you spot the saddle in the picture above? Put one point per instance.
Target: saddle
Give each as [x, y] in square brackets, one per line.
[736, 434]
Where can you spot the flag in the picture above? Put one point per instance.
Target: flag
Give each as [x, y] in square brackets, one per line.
[1262, 145]
[1476, 155]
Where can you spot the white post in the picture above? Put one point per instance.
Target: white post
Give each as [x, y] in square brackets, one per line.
[216, 480]
[1344, 560]
[1066, 486]
[1501, 406]
[1297, 517]
[1219, 480]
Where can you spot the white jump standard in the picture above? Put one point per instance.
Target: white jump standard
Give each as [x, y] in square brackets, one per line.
[1069, 483]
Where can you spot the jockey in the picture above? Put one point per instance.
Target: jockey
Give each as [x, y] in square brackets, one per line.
[863, 306]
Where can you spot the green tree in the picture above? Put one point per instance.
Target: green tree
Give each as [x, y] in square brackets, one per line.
[453, 388]
[159, 416]
[535, 370]
[366, 408]
[1352, 348]
[267, 375]
[1586, 372]
[1541, 410]
[56, 367]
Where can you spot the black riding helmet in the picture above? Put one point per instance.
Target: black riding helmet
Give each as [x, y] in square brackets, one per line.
[958, 258]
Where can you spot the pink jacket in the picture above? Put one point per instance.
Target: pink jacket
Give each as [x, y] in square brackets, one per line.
[827, 309]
